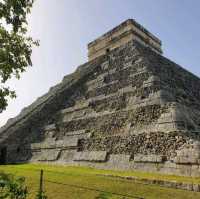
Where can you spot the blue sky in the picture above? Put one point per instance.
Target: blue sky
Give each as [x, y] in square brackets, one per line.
[65, 27]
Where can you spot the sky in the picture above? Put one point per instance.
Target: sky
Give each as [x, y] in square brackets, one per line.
[65, 27]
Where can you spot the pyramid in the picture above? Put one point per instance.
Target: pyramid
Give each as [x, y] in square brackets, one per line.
[127, 108]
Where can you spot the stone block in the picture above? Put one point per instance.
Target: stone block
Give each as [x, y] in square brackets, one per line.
[126, 89]
[75, 108]
[149, 158]
[119, 161]
[79, 132]
[196, 187]
[50, 127]
[189, 152]
[67, 155]
[46, 155]
[187, 156]
[48, 144]
[119, 158]
[99, 97]
[185, 160]
[105, 65]
[93, 156]
[35, 146]
[67, 142]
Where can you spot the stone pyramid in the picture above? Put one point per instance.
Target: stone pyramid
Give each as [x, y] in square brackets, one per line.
[127, 108]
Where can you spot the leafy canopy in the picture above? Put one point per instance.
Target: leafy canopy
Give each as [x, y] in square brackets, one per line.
[12, 187]
[15, 45]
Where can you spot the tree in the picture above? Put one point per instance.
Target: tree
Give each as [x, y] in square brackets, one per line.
[12, 187]
[15, 45]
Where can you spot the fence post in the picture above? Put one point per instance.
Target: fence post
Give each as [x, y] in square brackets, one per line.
[41, 182]
[40, 194]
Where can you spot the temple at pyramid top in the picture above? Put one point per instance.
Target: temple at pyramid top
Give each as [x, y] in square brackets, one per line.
[121, 34]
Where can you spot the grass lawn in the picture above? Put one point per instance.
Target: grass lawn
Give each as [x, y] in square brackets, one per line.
[65, 182]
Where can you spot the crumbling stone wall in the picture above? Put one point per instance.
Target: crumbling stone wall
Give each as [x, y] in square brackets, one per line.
[157, 143]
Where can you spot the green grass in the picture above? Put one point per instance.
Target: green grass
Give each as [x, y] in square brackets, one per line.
[66, 182]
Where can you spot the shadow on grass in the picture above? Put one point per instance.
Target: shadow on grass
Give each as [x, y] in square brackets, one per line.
[104, 196]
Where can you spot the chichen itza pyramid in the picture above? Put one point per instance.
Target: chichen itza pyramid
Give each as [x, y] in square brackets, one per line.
[127, 108]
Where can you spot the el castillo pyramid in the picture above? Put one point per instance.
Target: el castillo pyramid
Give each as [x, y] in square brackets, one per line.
[127, 108]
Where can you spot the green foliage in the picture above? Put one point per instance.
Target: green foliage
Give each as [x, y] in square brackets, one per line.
[15, 45]
[11, 187]
[41, 195]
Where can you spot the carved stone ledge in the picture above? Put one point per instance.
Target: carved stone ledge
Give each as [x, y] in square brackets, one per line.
[149, 158]
[92, 156]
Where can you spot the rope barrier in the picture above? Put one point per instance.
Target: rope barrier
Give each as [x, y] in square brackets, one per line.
[93, 189]
[82, 187]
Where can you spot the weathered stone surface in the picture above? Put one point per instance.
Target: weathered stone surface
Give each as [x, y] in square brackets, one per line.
[50, 127]
[118, 161]
[149, 158]
[46, 155]
[67, 156]
[143, 143]
[68, 142]
[189, 154]
[93, 156]
[120, 35]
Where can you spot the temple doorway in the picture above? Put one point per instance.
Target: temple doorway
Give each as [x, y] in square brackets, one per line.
[3, 155]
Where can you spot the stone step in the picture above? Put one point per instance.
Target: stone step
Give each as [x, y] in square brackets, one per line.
[46, 155]
[75, 108]
[49, 144]
[149, 158]
[50, 127]
[91, 156]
